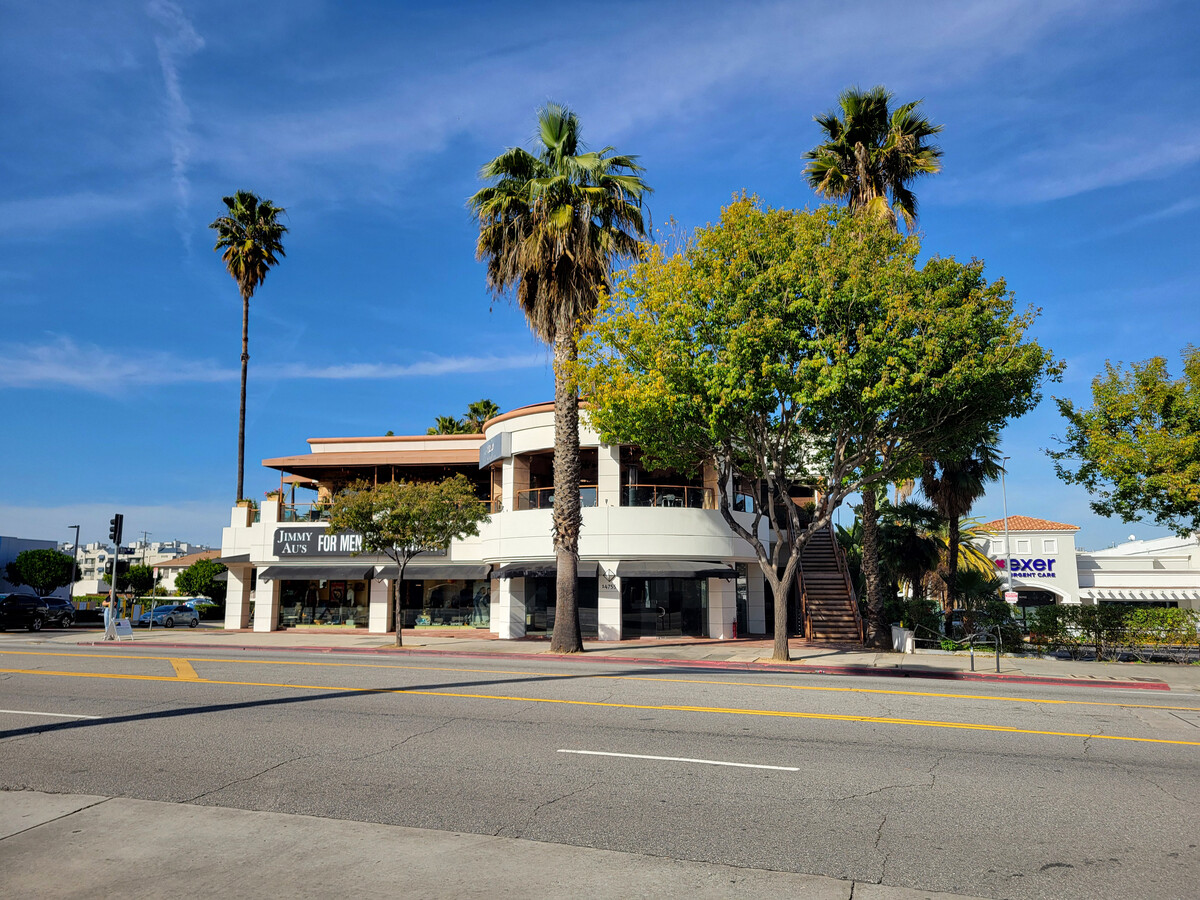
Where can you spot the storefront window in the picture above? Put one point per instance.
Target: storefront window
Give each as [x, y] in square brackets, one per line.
[664, 607]
[541, 596]
[322, 602]
[446, 602]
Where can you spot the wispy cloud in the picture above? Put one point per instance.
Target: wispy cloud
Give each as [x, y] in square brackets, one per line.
[1178, 208]
[455, 365]
[63, 362]
[178, 41]
[1083, 160]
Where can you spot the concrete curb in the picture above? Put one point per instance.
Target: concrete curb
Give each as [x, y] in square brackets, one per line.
[799, 667]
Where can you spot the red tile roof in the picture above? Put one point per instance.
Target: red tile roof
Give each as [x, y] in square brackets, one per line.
[1027, 523]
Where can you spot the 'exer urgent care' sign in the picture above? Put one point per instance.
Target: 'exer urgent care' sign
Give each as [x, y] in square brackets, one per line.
[1033, 568]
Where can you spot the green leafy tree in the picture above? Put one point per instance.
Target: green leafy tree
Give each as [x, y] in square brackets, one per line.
[801, 349]
[403, 518]
[871, 154]
[250, 237]
[551, 228]
[42, 571]
[200, 580]
[137, 580]
[953, 482]
[1136, 449]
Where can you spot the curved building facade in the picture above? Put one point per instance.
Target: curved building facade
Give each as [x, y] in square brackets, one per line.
[656, 557]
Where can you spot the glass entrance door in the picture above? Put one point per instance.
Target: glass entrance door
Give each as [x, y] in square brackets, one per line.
[664, 607]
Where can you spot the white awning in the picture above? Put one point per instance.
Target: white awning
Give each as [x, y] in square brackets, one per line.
[1144, 595]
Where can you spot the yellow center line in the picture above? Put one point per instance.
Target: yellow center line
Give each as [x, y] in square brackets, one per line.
[712, 710]
[551, 675]
[855, 690]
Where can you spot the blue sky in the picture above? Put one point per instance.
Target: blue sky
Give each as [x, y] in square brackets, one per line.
[1072, 166]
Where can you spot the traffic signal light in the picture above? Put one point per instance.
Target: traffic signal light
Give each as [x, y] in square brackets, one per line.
[115, 525]
[122, 568]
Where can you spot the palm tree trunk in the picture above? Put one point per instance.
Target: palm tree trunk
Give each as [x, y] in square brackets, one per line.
[877, 633]
[952, 564]
[242, 408]
[566, 637]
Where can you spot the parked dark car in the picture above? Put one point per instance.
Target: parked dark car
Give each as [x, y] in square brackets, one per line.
[22, 611]
[60, 612]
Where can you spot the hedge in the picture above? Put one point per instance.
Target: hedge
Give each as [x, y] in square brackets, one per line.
[1112, 631]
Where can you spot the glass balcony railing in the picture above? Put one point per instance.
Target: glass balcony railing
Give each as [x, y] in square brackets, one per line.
[669, 495]
[304, 512]
[543, 498]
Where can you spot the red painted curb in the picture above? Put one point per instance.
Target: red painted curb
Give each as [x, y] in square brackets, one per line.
[796, 668]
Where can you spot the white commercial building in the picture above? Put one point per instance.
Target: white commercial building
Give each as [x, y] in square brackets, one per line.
[10, 548]
[655, 556]
[1044, 566]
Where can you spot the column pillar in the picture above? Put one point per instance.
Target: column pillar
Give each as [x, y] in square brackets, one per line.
[756, 599]
[508, 485]
[237, 598]
[509, 613]
[266, 605]
[609, 604]
[722, 607]
[608, 475]
[379, 607]
[494, 607]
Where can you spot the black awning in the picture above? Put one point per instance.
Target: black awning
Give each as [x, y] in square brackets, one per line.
[442, 571]
[357, 572]
[545, 569]
[672, 568]
[238, 558]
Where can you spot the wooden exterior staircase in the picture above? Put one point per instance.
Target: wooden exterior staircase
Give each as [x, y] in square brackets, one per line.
[827, 600]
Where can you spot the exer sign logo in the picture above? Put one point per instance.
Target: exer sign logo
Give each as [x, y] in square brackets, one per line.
[1037, 568]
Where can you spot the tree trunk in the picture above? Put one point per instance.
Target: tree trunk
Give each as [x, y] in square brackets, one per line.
[952, 565]
[396, 609]
[877, 629]
[567, 518]
[242, 407]
[780, 650]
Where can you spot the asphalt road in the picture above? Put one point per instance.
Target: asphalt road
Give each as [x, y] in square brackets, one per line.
[990, 790]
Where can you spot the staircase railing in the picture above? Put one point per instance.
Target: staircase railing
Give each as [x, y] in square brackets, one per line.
[840, 555]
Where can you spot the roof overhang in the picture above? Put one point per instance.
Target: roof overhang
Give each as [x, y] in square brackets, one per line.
[673, 568]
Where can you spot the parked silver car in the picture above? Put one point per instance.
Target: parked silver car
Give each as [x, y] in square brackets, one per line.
[169, 615]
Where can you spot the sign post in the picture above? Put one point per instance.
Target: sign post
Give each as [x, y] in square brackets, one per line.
[1010, 596]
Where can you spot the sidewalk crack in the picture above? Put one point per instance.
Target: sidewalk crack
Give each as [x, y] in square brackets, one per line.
[56, 818]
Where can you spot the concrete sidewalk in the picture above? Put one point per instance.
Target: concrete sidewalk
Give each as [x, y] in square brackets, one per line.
[68, 845]
[743, 653]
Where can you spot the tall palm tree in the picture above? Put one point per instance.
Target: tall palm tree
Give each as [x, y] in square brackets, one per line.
[478, 413]
[251, 237]
[872, 154]
[448, 425]
[552, 225]
[953, 485]
[869, 158]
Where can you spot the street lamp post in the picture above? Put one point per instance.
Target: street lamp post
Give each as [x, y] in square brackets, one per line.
[1004, 494]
